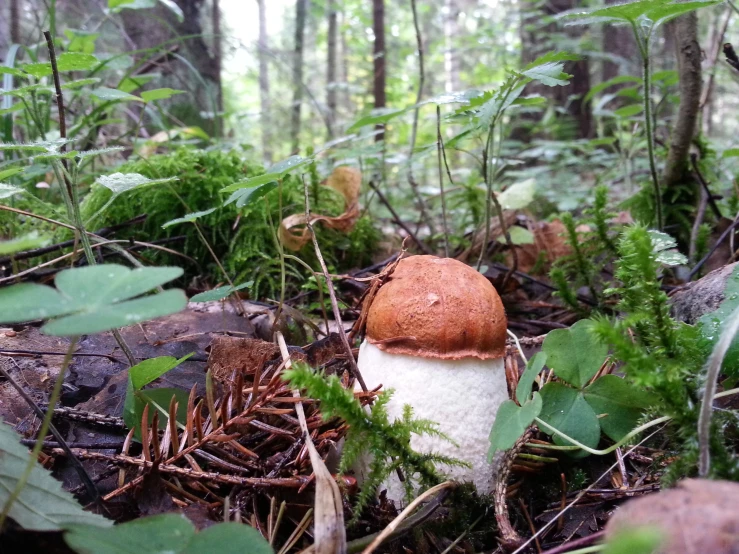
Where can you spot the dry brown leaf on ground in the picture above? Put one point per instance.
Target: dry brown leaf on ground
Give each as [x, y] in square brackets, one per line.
[345, 180]
[549, 241]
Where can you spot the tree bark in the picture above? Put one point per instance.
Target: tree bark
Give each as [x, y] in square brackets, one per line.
[264, 99]
[717, 40]
[150, 28]
[571, 96]
[451, 57]
[620, 47]
[15, 22]
[332, 39]
[218, 63]
[301, 7]
[689, 68]
[378, 26]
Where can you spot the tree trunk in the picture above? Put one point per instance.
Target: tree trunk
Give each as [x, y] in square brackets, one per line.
[451, 57]
[378, 26]
[301, 7]
[331, 67]
[570, 96]
[716, 41]
[264, 99]
[15, 22]
[620, 48]
[150, 28]
[218, 63]
[688, 53]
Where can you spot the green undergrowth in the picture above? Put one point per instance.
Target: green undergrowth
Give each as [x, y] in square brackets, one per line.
[242, 239]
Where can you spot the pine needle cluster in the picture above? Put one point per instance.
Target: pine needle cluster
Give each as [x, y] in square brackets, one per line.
[372, 433]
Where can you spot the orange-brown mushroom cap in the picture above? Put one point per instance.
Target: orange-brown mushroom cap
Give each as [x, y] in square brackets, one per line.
[438, 308]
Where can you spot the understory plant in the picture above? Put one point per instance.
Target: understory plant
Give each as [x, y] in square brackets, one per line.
[662, 361]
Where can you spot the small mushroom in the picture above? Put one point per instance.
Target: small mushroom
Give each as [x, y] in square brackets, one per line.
[436, 334]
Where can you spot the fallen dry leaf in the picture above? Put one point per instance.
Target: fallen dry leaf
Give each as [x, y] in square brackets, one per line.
[345, 180]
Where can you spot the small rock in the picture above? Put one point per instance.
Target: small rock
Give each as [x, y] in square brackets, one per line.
[696, 517]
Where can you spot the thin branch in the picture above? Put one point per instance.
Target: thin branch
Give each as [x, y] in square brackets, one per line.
[398, 221]
[332, 294]
[414, 129]
[720, 240]
[711, 200]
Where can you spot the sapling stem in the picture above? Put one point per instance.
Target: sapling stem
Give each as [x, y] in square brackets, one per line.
[69, 190]
[643, 44]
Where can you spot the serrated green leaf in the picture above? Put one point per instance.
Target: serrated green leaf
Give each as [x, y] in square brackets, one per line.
[618, 405]
[219, 293]
[159, 94]
[189, 218]
[111, 94]
[6, 191]
[575, 354]
[649, 13]
[549, 74]
[730, 153]
[671, 258]
[385, 116]
[26, 242]
[565, 409]
[119, 183]
[5, 70]
[511, 422]
[245, 197]
[68, 61]
[42, 504]
[526, 382]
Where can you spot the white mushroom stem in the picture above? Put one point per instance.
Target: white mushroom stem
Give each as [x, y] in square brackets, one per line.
[462, 396]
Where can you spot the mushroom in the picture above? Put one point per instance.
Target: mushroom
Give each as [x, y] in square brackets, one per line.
[436, 334]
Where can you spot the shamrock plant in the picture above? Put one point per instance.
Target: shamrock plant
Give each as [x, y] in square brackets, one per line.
[93, 299]
[577, 404]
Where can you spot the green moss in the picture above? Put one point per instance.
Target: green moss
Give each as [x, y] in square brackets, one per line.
[242, 239]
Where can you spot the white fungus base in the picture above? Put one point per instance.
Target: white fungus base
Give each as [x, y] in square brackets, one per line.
[462, 396]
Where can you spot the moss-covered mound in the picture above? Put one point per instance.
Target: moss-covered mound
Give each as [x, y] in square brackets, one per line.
[242, 239]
